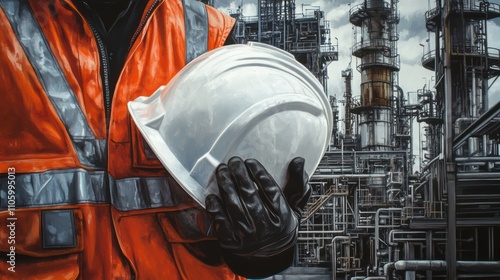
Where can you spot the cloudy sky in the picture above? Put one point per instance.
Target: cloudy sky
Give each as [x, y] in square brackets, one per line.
[411, 30]
[412, 33]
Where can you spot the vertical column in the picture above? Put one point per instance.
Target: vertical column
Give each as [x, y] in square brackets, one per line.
[451, 242]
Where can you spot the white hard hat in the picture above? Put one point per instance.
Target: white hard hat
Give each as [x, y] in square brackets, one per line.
[251, 101]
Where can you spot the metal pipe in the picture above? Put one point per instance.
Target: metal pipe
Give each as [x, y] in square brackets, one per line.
[388, 269]
[451, 244]
[259, 24]
[489, 266]
[322, 232]
[392, 238]
[485, 145]
[331, 176]
[473, 99]
[459, 121]
[429, 248]
[342, 147]
[440, 156]
[334, 253]
[377, 216]
[476, 125]
[479, 275]
[334, 170]
[415, 189]
[313, 238]
[485, 87]
[479, 175]
[413, 265]
[467, 159]
[439, 265]
[371, 153]
[355, 160]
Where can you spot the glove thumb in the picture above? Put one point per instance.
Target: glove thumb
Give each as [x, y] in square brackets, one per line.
[297, 189]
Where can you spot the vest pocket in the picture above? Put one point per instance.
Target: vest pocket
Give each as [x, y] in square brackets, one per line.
[41, 242]
[189, 231]
[58, 229]
[186, 226]
[142, 154]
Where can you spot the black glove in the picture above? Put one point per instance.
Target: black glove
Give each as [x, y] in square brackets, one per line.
[256, 223]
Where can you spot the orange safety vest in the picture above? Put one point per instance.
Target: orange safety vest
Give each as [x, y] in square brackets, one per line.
[85, 198]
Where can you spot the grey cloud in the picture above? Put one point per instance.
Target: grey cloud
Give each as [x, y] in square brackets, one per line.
[414, 24]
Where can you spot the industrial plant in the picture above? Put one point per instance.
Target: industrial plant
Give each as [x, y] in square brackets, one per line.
[375, 213]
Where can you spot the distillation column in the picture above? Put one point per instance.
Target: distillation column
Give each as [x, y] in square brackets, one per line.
[377, 51]
[378, 64]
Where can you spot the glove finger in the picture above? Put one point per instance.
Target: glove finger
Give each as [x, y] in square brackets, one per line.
[247, 189]
[269, 190]
[236, 211]
[297, 190]
[222, 226]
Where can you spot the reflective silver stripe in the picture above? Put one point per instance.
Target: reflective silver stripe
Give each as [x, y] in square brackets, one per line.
[73, 186]
[90, 151]
[56, 187]
[196, 21]
[146, 192]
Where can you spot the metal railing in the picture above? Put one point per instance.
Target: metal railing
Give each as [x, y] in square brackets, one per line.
[367, 5]
[372, 44]
[428, 56]
[379, 60]
[328, 48]
[475, 6]
[302, 46]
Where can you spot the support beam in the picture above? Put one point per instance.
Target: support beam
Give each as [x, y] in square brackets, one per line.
[451, 244]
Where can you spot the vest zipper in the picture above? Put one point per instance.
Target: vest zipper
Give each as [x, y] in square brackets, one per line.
[105, 76]
[140, 28]
[103, 57]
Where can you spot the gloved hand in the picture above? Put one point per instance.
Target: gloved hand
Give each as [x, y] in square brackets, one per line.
[256, 223]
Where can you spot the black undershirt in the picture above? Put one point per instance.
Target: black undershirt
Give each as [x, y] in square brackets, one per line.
[116, 22]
